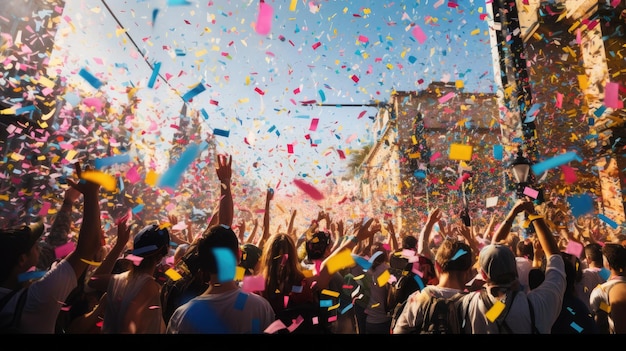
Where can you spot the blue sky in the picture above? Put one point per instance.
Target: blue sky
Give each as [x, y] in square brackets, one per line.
[311, 53]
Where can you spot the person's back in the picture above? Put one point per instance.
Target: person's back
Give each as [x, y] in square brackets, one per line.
[19, 252]
[592, 275]
[133, 304]
[603, 297]
[575, 317]
[223, 308]
[454, 260]
[501, 306]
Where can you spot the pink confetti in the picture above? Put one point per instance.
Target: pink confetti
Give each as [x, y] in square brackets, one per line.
[44, 209]
[611, 96]
[308, 189]
[64, 250]
[316, 45]
[314, 122]
[363, 39]
[435, 156]
[290, 148]
[132, 175]
[446, 97]
[342, 155]
[530, 192]
[253, 283]
[418, 34]
[559, 100]
[569, 174]
[355, 78]
[259, 91]
[264, 19]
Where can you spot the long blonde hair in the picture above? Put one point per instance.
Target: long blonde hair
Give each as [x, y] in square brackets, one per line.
[280, 265]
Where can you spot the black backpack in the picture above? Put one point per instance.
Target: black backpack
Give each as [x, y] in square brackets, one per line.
[443, 315]
[399, 292]
[13, 327]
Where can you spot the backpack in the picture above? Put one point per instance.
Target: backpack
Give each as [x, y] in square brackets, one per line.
[175, 293]
[443, 315]
[13, 327]
[503, 327]
[399, 292]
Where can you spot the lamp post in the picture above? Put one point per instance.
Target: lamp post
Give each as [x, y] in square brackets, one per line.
[520, 167]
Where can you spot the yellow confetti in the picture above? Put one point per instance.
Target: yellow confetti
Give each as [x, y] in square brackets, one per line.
[341, 260]
[459, 84]
[91, 263]
[172, 274]
[17, 157]
[495, 311]
[70, 155]
[107, 181]
[239, 273]
[604, 307]
[475, 31]
[460, 152]
[331, 293]
[383, 278]
[151, 178]
[292, 5]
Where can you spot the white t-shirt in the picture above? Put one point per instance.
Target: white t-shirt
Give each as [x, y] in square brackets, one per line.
[413, 313]
[591, 278]
[546, 300]
[44, 300]
[600, 294]
[232, 312]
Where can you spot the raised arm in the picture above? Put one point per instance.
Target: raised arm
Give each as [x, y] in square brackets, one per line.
[505, 227]
[224, 174]
[393, 240]
[91, 236]
[422, 243]
[266, 217]
[101, 276]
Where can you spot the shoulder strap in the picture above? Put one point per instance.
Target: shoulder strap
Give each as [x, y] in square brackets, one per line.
[503, 324]
[532, 317]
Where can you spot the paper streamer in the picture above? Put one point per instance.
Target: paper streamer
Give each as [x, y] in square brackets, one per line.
[555, 161]
[308, 189]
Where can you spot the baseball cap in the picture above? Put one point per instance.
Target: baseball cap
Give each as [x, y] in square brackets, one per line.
[498, 262]
[18, 240]
[149, 240]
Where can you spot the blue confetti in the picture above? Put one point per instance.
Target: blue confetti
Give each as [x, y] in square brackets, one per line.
[100, 163]
[172, 176]
[226, 264]
[220, 132]
[193, 92]
[90, 78]
[608, 221]
[497, 152]
[580, 204]
[155, 74]
[555, 161]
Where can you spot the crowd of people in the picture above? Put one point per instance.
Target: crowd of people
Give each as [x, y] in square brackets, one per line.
[535, 271]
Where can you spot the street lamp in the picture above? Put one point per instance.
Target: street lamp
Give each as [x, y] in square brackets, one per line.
[520, 167]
